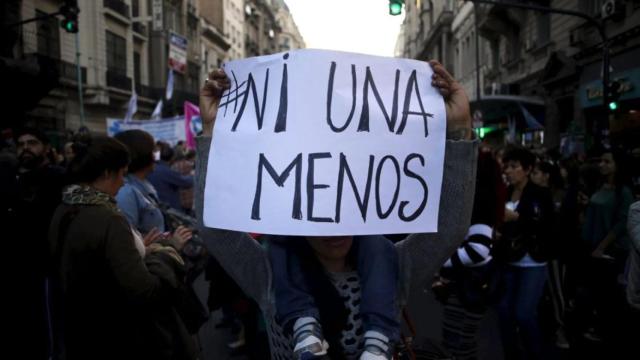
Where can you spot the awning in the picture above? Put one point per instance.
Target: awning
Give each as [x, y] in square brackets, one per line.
[527, 111]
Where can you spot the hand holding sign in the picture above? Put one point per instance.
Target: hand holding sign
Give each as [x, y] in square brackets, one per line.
[455, 99]
[210, 95]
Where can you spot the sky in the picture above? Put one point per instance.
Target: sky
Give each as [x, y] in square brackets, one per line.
[362, 26]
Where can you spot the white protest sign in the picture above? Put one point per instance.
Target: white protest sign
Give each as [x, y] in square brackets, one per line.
[314, 142]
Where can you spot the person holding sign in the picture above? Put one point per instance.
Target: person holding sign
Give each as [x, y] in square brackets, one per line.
[418, 257]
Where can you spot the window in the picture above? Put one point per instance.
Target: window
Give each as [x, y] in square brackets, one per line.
[116, 53]
[135, 8]
[48, 36]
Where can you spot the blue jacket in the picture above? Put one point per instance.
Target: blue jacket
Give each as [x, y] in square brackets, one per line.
[138, 201]
[168, 183]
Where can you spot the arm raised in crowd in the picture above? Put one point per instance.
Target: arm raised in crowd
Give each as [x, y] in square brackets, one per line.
[421, 255]
[240, 255]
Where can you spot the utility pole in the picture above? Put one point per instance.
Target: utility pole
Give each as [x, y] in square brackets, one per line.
[591, 20]
[79, 79]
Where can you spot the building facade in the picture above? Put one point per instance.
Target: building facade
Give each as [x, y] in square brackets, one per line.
[216, 45]
[234, 27]
[127, 46]
[289, 37]
[545, 61]
[261, 28]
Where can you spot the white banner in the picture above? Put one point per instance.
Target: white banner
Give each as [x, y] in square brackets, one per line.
[169, 130]
[315, 142]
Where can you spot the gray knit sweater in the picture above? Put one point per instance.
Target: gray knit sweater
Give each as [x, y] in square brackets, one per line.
[420, 255]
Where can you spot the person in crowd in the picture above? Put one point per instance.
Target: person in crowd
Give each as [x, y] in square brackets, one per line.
[524, 250]
[30, 191]
[306, 297]
[167, 181]
[186, 167]
[606, 243]
[633, 281]
[418, 256]
[138, 199]
[547, 175]
[467, 280]
[68, 152]
[113, 299]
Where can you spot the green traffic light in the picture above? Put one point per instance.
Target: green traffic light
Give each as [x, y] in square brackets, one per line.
[613, 105]
[395, 9]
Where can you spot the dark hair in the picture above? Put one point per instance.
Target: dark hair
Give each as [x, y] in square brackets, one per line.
[521, 155]
[37, 133]
[140, 145]
[95, 156]
[166, 152]
[490, 195]
[622, 177]
[555, 179]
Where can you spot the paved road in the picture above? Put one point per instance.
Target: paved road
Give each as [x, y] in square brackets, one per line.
[426, 313]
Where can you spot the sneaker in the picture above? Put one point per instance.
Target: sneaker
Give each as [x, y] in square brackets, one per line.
[376, 347]
[561, 339]
[309, 342]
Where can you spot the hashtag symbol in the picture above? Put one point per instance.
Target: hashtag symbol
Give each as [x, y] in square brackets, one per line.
[232, 95]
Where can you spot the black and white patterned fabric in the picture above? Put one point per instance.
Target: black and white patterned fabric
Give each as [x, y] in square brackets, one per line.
[348, 286]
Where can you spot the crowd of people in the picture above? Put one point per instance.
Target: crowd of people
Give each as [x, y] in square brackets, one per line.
[104, 226]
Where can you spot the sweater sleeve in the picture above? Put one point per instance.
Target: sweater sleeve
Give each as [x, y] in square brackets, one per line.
[421, 255]
[633, 225]
[239, 254]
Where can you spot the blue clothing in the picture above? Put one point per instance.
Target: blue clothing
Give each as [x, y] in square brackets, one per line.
[377, 267]
[168, 183]
[518, 307]
[138, 201]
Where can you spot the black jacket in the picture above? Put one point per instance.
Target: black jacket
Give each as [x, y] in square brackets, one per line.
[533, 231]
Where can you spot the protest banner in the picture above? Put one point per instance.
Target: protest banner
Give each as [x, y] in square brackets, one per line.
[314, 142]
[169, 130]
[178, 53]
[192, 124]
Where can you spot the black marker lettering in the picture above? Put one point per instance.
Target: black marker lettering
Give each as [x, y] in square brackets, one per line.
[311, 186]
[362, 202]
[425, 189]
[332, 73]
[279, 180]
[396, 165]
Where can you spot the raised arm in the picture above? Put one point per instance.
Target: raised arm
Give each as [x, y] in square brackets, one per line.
[240, 256]
[421, 255]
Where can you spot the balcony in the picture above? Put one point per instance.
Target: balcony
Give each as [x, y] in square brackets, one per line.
[118, 6]
[139, 28]
[70, 71]
[149, 92]
[118, 80]
[65, 70]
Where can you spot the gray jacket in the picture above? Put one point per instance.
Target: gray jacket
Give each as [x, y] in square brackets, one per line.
[420, 255]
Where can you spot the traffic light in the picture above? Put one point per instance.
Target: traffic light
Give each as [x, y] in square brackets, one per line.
[614, 95]
[395, 7]
[70, 12]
